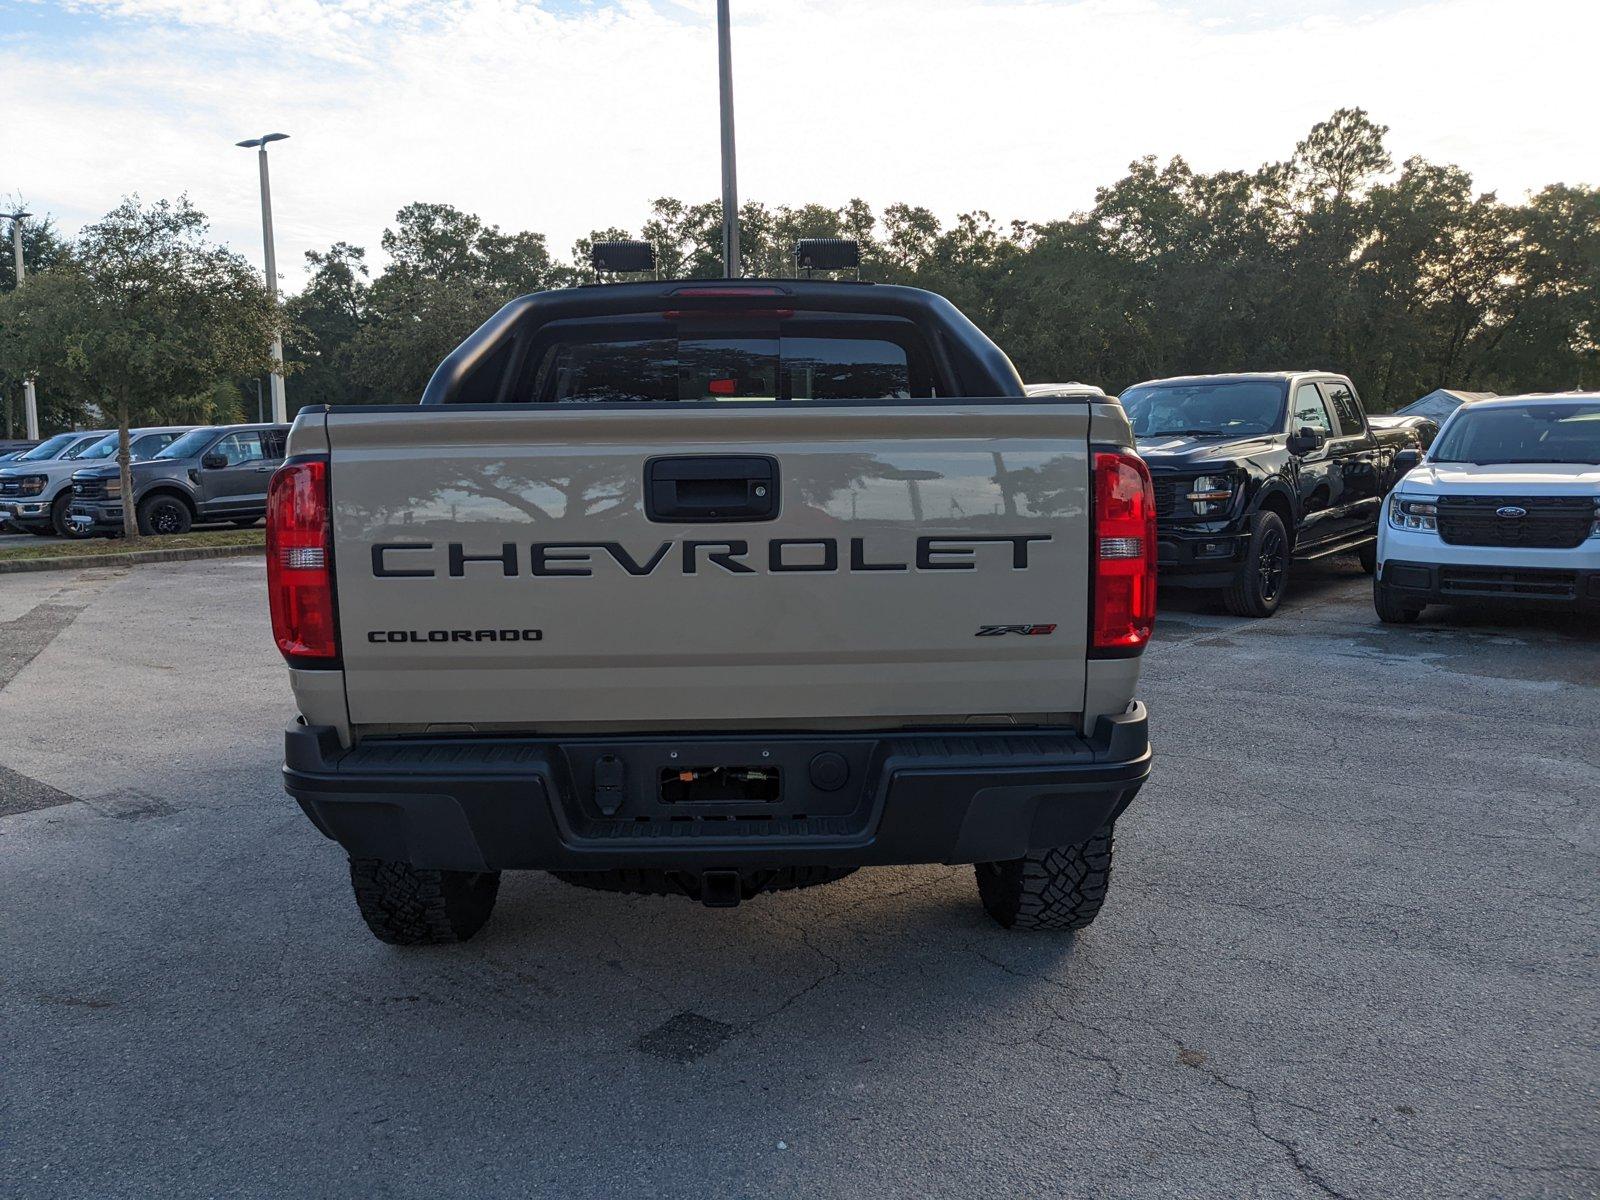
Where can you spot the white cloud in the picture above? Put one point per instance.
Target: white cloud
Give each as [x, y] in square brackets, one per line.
[563, 118]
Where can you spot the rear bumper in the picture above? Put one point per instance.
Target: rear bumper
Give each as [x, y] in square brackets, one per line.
[1422, 583]
[483, 803]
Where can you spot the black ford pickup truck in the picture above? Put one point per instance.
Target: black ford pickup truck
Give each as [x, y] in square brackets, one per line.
[1255, 471]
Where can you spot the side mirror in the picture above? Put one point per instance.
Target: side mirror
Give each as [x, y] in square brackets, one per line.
[1305, 440]
[1407, 460]
[214, 462]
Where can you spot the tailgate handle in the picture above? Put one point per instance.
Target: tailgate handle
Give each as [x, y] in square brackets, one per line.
[701, 488]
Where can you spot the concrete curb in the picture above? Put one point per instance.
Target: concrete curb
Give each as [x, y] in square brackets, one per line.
[129, 559]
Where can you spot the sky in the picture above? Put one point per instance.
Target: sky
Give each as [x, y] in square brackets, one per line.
[563, 116]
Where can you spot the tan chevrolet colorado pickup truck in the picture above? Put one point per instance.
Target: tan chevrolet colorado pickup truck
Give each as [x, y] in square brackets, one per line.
[715, 588]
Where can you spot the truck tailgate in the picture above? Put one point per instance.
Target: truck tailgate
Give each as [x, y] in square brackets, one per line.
[509, 566]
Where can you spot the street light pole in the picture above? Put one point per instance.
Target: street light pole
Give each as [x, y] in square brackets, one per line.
[730, 183]
[280, 402]
[30, 400]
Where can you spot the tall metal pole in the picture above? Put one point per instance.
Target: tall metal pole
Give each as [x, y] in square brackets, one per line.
[30, 400]
[280, 402]
[730, 175]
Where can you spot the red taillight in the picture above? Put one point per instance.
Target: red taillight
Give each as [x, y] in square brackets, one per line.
[1124, 553]
[300, 563]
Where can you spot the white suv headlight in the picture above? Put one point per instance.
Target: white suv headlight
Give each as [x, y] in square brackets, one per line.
[1405, 512]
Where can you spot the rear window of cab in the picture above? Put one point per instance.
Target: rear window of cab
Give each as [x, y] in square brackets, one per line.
[657, 358]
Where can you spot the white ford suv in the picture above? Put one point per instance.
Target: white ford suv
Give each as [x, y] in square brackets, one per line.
[1505, 507]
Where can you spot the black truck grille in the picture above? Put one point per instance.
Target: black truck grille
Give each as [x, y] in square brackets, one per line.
[89, 489]
[1496, 581]
[1166, 494]
[10, 487]
[1546, 522]
[1172, 495]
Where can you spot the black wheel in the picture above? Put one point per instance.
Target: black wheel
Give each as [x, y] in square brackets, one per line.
[1259, 589]
[1368, 558]
[1059, 888]
[413, 906]
[164, 515]
[1389, 608]
[648, 881]
[58, 517]
[246, 522]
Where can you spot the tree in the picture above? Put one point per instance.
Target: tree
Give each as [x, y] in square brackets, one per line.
[142, 318]
[1405, 280]
[1329, 177]
[41, 248]
[325, 319]
[448, 273]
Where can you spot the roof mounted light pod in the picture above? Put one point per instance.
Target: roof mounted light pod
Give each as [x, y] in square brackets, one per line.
[616, 257]
[827, 254]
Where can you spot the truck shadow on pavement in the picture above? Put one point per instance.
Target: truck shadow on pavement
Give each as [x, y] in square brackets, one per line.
[679, 981]
[1337, 590]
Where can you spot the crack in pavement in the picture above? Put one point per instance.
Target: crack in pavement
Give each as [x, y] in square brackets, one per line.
[836, 968]
[1292, 1152]
[1291, 1149]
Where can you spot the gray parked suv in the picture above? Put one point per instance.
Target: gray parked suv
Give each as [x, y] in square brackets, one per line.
[215, 473]
[35, 487]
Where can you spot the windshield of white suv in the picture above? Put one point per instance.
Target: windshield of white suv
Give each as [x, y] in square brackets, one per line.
[1242, 408]
[190, 443]
[1521, 433]
[48, 448]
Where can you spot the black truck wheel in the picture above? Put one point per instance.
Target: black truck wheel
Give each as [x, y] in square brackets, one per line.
[164, 514]
[1059, 888]
[413, 906]
[1389, 607]
[1259, 589]
[58, 517]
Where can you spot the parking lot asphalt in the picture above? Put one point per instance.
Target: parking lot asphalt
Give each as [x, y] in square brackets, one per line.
[1350, 950]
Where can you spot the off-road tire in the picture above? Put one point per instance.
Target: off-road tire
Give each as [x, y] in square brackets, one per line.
[1389, 608]
[1059, 888]
[1367, 556]
[648, 881]
[164, 515]
[413, 906]
[1259, 589]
